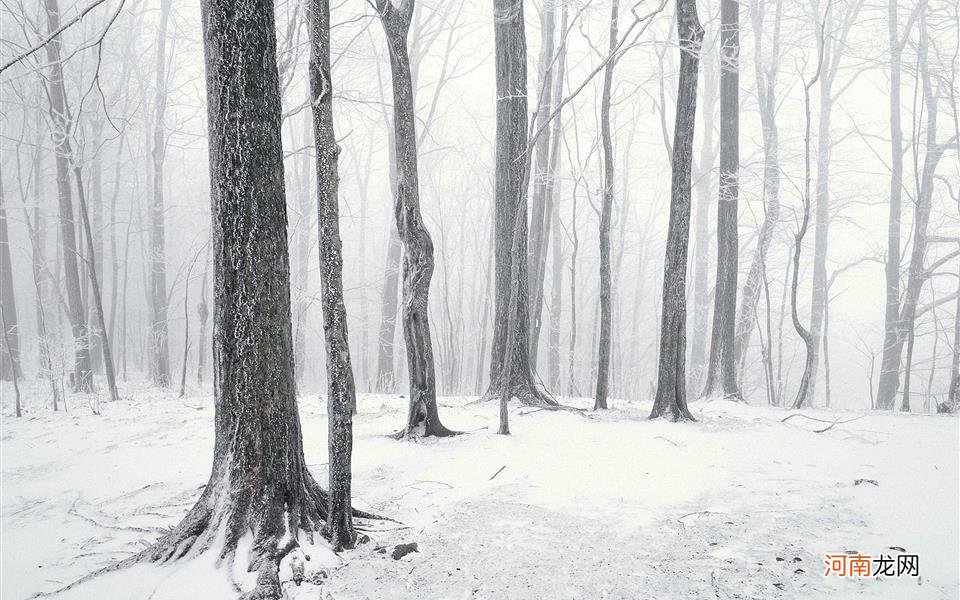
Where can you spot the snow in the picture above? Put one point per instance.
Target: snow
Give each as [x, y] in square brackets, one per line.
[589, 505]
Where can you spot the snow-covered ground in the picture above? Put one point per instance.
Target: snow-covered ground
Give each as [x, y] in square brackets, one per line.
[583, 505]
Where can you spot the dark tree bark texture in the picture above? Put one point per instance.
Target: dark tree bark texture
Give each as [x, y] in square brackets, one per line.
[341, 391]
[671, 398]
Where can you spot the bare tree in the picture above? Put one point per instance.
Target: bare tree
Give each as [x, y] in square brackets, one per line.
[158, 340]
[259, 484]
[671, 396]
[510, 212]
[341, 392]
[722, 368]
[10, 369]
[422, 416]
[606, 310]
[766, 68]
[803, 332]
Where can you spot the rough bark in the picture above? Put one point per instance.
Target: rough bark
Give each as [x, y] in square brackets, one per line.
[422, 416]
[722, 368]
[341, 391]
[82, 377]
[259, 485]
[510, 211]
[159, 363]
[671, 397]
[606, 210]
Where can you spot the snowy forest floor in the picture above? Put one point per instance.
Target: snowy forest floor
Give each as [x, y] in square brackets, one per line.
[587, 505]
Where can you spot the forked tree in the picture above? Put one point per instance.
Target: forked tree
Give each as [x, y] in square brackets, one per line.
[671, 398]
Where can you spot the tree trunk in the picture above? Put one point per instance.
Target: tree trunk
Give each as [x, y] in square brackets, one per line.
[553, 208]
[341, 392]
[671, 398]
[722, 368]
[766, 78]
[422, 416]
[510, 212]
[158, 340]
[703, 183]
[259, 485]
[803, 332]
[890, 361]
[95, 288]
[606, 310]
[82, 376]
[542, 179]
[917, 272]
[10, 369]
[953, 397]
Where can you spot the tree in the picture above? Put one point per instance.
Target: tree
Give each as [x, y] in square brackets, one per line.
[61, 119]
[259, 484]
[766, 69]
[422, 416]
[671, 397]
[10, 360]
[918, 272]
[722, 367]
[543, 176]
[510, 212]
[606, 209]
[803, 332]
[159, 363]
[341, 392]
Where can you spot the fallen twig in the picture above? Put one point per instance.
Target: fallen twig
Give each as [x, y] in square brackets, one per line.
[497, 473]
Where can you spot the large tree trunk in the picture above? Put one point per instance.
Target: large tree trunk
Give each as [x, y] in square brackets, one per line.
[722, 368]
[259, 485]
[542, 178]
[671, 398]
[510, 210]
[10, 359]
[422, 416]
[606, 210]
[766, 79]
[159, 361]
[82, 375]
[341, 392]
